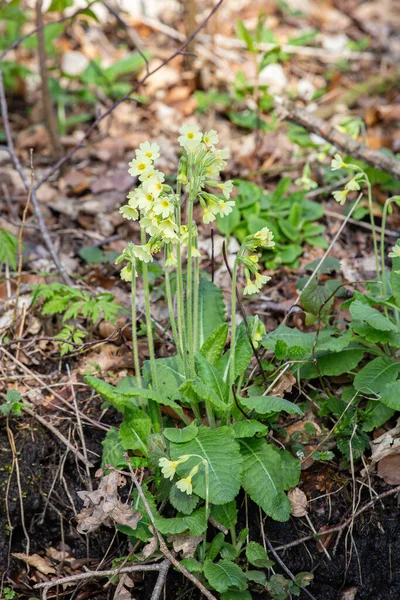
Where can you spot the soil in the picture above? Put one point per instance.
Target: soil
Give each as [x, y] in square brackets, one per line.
[366, 557]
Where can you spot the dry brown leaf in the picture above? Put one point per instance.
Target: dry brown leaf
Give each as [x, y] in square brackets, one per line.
[58, 555]
[349, 594]
[325, 540]
[389, 469]
[122, 592]
[36, 561]
[103, 506]
[298, 502]
[109, 357]
[284, 384]
[185, 544]
[150, 547]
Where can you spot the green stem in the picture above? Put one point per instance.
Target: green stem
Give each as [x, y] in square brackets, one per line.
[179, 286]
[135, 347]
[196, 300]
[231, 378]
[232, 531]
[171, 309]
[384, 217]
[374, 238]
[189, 299]
[154, 409]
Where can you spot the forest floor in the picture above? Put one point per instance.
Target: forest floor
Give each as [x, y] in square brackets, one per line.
[340, 60]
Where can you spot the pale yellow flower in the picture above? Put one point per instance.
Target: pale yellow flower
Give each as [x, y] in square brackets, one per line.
[250, 288]
[164, 207]
[147, 150]
[191, 136]
[140, 166]
[208, 216]
[210, 137]
[261, 280]
[185, 484]
[265, 236]
[225, 208]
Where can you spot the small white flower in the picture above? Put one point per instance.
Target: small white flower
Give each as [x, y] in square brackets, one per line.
[226, 188]
[168, 467]
[142, 253]
[145, 200]
[126, 273]
[147, 150]
[250, 288]
[169, 229]
[395, 252]
[163, 206]
[129, 213]
[140, 166]
[185, 484]
[195, 252]
[210, 138]
[208, 216]
[261, 280]
[150, 225]
[265, 237]
[225, 208]
[352, 185]
[171, 260]
[340, 196]
[191, 136]
[337, 163]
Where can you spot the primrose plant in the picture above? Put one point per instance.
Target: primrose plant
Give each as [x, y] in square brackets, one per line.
[184, 417]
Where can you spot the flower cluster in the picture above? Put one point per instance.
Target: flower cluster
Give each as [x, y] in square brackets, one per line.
[395, 252]
[155, 204]
[168, 469]
[248, 257]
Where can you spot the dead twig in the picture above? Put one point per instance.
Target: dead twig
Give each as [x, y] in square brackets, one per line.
[163, 547]
[378, 160]
[48, 110]
[162, 576]
[307, 538]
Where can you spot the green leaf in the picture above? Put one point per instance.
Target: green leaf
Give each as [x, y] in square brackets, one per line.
[222, 453]
[180, 436]
[228, 551]
[170, 375]
[256, 576]
[235, 595]
[113, 452]
[214, 344]
[291, 469]
[334, 363]
[269, 404]
[377, 374]
[243, 352]
[390, 395]
[374, 335]
[116, 398]
[262, 478]
[134, 430]
[226, 514]
[212, 379]
[376, 414]
[315, 298]
[257, 556]
[8, 249]
[249, 428]
[244, 34]
[211, 310]
[364, 312]
[215, 546]
[192, 565]
[183, 502]
[59, 5]
[224, 575]
[125, 66]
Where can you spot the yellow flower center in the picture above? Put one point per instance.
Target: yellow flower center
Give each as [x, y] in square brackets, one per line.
[149, 154]
[165, 203]
[141, 166]
[190, 135]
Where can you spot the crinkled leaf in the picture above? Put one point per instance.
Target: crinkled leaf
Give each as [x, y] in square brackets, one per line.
[377, 374]
[222, 453]
[249, 428]
[134, 430]
[226, 514]
[214, 344]
[215, 546]
[390, 395]
[262, 478]
[257, 556]
[224, 575]
[113, 452]
[211, 310]
[181, 435]
[291, 469]
[183, 502]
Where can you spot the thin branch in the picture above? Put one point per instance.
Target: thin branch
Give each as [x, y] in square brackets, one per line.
[137, 85]
[307, 538]
[10, 147]
[300, 116]
[48, 110]
[162, 576]
[163, 547]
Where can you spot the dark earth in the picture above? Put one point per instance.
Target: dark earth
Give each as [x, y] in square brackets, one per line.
[367, 558]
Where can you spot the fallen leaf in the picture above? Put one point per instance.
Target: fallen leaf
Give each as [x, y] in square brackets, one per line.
[298, 502]
[103, 506]
[185, 544]
[389, 469]
[36, 561]
[284, 384]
